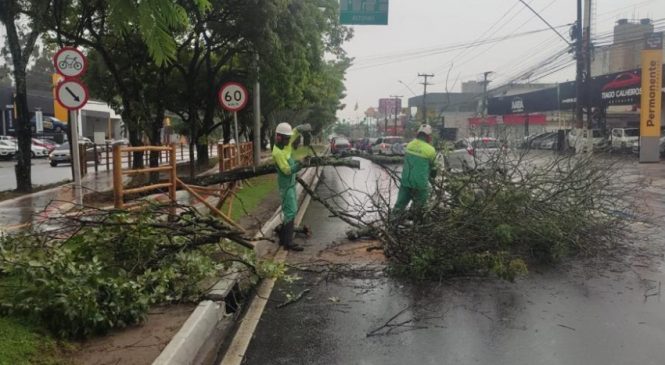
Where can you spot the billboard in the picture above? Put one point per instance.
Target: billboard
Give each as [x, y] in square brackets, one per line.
[651, 86]
[621, 88]
[388, 106]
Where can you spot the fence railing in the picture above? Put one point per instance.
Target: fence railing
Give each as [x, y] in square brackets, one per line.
[233, 156]
[119, 191]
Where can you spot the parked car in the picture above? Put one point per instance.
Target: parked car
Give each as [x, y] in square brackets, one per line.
[551, 142]
[577, 138]
[621, 139]
[635, 147]
[474, 153]
[35, 150]
[537, 142]
[340, 146]
[383, 146]
[62, 155]
[7, 150]
[50, 146]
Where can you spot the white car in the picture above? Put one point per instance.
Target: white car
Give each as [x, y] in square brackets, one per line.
[7, 151]
[474, 153]
[577, 139]
[623, 138]
[384, 145]
[35, 150]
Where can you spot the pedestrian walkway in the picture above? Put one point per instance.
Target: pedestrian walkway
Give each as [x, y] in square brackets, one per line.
[36, 207]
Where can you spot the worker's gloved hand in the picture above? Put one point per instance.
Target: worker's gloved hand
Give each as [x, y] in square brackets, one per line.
[296, 143]
[304, 128]
[306, 161]
[432, 173]
[315, 160]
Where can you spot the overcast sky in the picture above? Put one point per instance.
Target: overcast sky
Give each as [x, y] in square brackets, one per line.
[425, 36]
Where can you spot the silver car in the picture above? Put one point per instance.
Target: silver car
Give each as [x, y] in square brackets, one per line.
[474, 153]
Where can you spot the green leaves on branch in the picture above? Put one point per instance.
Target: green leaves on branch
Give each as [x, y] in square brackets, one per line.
[157, 21]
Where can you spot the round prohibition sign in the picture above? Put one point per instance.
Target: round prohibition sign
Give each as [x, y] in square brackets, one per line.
[70, 62]
[71, 94]
[233, 96]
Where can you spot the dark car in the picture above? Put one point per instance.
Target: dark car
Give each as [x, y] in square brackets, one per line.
[340, 146]
[62, 155]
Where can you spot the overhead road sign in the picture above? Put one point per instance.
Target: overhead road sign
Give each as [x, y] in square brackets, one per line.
[70, 62]
[72, 94]
[363, 12]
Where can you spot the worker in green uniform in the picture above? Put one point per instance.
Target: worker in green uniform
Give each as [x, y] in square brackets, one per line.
[419, 167]
[287, 168]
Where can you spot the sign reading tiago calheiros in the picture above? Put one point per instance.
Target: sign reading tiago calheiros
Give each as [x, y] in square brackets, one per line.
[363, 12]
[650, 105]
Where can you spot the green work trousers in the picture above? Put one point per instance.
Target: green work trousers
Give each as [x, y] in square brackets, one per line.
[289, 203]
[406, 194]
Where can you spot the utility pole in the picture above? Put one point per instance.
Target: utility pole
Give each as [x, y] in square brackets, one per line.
[257, 116]
[483, 111]
[587, 72]
[396, 98]
[577, 34]
[425, 76]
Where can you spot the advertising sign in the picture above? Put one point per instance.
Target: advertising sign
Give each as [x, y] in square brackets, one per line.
[652, 84]
[388, 106]
[621, 88]
[652, 59]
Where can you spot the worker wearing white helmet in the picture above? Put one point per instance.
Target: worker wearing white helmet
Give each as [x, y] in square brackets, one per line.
[287, 168]
[419, 166]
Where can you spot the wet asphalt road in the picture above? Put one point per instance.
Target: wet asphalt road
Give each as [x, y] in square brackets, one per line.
[585, 312]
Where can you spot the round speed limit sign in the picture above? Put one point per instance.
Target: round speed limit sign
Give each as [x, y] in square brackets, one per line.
[233, 96]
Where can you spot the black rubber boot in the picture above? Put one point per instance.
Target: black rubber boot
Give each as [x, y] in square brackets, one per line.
[287, 231]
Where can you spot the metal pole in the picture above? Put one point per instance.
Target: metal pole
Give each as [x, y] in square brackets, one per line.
[235, 125]
[587, 72]
[425, 76]
[76, 159]
[257, 116]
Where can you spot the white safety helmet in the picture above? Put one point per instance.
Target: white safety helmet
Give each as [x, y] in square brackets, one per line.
[425, 128]
[284, 128]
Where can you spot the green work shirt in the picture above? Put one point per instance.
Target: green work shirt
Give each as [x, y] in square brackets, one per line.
[286, 166]
[419, 160]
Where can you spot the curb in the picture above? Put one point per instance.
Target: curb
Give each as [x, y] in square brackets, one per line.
[199, 337]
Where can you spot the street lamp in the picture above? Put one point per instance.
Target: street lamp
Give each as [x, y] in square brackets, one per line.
[407, 86]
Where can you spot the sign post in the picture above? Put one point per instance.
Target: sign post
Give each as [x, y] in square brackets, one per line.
[652, 60]
[73, 95]
[233, 97]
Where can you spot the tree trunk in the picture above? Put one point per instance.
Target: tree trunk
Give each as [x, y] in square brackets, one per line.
[20, 58]
[202, 156]
[23, 133]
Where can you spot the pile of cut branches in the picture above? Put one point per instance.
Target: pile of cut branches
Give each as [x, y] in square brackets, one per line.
[86, 273]
[519, 208]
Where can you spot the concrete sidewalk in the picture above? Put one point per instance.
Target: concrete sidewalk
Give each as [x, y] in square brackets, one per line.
[36, 207]
[32, 208]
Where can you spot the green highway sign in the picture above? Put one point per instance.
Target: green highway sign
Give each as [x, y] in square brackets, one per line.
[363, 12]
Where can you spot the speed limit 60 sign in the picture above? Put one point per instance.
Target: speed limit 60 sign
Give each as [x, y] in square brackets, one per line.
[233, 96]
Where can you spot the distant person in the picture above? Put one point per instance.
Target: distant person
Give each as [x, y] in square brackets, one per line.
[419, 166]
[287, 167]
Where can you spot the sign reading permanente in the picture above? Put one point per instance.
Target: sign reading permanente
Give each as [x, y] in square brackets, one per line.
[363, 12]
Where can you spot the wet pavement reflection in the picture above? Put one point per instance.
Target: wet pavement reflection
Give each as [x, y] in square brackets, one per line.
[588, 311]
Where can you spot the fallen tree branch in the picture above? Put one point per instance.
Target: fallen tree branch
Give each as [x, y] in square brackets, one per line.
[266, 169]
[294, 299]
